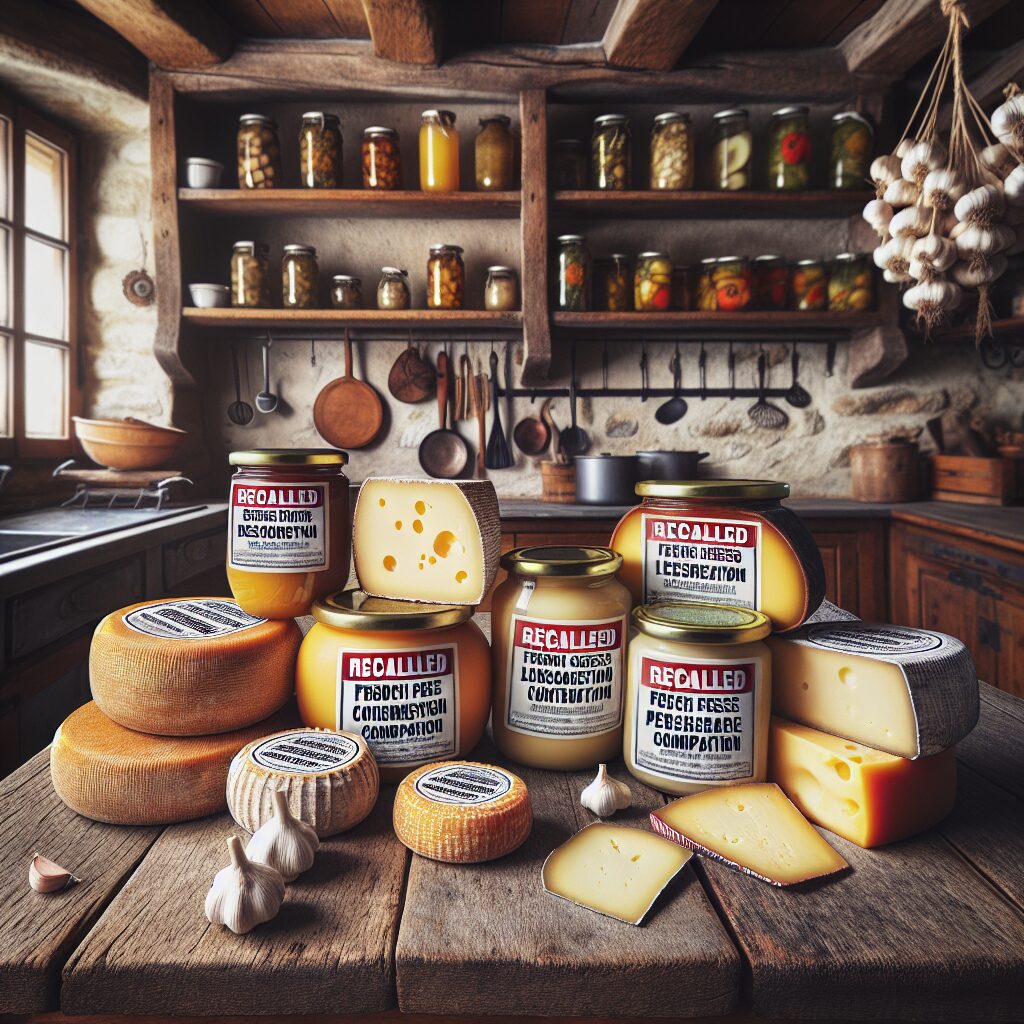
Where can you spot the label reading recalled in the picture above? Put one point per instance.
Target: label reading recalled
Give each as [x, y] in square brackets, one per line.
[305, 753]
[565, 678]
[404, 703]
[694, 720]
[190, 620]
[279, 528]
[711, 561]
[464, 784]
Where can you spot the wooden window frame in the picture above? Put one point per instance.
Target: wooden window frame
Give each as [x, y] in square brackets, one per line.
[17, 447]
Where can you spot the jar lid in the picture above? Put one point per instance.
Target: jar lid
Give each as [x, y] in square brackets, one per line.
[379, 129]
[300, 250]
[498, 269]
[809, 263]
[740, 489]
[247, 244]
[708, 260]
[670, 116]
[318, 115]
[257, 119]
[289, 457]
[394, 270]
[562, 561]
[729, 259]
[652, 255]
[606, 120]
[445, 247]
[500, 118]
[728, 115]
[346, 279]
[771, 257]
[354, 609]
[701, 623]
[618, 256]
[851, 115]
[570, 238]
[849, 257]
[438, 115]
[793, 111]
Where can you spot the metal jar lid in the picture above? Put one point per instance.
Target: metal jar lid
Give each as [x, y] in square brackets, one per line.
[652, 255]
[850, 257]
[708, 261]
[257, 119]
[809, 263]
[379, 129]
[444, 116]
[499, 118]
[739, 490]
[356, 610]
[793, 111]
[500, 270]
[346, 279]
[249, 245]
[851, 115]
[319, 115]
[771, 257]
[562, 561]
[446, 247]
[610, 120]
[300, 250]
[670, 117]
[569, 239]
[394, 270]
[730, 114]
[289, 457]
[701, 623]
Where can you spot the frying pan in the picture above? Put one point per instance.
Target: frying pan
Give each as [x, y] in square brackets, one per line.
[532, 434]
[348, 412]
[443, 453]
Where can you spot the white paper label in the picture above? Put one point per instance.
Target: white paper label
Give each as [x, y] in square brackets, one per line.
[190, 620]
[279, 528]
[874, 641]
[464, 784]
[305, 753]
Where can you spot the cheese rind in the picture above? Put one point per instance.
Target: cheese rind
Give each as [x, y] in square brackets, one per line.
[427, 540]
[864, 795]
[754, 829]
[613, 869]
[909, 692]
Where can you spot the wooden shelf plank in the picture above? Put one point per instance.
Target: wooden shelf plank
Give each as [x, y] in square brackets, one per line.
[699, 320]
[722, 205]
[229, 318]
[1004, 328]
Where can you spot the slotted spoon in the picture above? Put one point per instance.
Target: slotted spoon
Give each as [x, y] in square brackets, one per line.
[762, 412]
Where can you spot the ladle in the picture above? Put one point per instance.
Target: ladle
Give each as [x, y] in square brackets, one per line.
[675, 408]
[239, 412]
[798, 396]
[266, 400]
[574, 439]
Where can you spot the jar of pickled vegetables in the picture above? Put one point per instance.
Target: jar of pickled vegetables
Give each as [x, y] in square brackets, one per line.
[808, 285]
[851, 285]
[611, 290]
[250, 275]
[652, 282]
[573, 274]
[346, 292]
[682, 299]
[300, 277]
[320, 150]
[609, 153]
[501, 292]
[446, 277]
[495, 154]
[789, 150]
[771, 282]
[568, 164]
[393, 288]
[439, 151]
[706, 284]
[850, 153]
[382, 159]
[671, 152]
[731, 155]
[259, 152]
[732, 279]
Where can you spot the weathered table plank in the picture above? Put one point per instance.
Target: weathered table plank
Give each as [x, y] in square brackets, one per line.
[995, 749]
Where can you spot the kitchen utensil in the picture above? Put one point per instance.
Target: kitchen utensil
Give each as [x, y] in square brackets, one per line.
[604, 367]
[702, 372]
[468, 385]
[412, 379]
[554, 446]
[669, 465]
[558, 482]
[459, 409]
[312, 351]
[606, 479]
[830, 358]
[644, 378]
[128, 443]
[574, 439]
[762, 412]
[888, 471]
[348, 412]
[498, 455]
[675, 408]
[732, 373]
[480, 408]
[443, 453]
[798, 396]
[532, 433]
[210, 296]
[266, 400]
[239, 412]
[201, 172]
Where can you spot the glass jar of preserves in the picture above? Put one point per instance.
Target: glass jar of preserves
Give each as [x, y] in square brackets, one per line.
[851, 284]
[850, 151]
[501, 291]
[808, 285]
[320, 150]
[706, 299]
[559, 630]
[704, 656]
[259, 152]
[682, 297]
[250, 275]
[612, 284]
[369, 663]
[289, 540]
[771, 282]
[382, 159]
[720, 541]
[610, 153]
[495, 154]
[572, 274]
[346, 292]
[439, 152]
[568, 164]
[446, 277]
[393, 288]
[652, 282]
[300, 277]
[732, 152]
[789, 149]
[671, 152]
[731, 278]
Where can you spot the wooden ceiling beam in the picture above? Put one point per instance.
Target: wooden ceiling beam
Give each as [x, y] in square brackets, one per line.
[405, 31]
[652, 34]
[988, 84]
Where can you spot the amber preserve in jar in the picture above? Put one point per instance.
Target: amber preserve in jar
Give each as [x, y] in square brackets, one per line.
[439, 151]
[558, 628]
[414, 680]
[446, 277]
[320, 150]
[495, 154]
[698, 697]
[720, 542]
[289, 529]
[382, 159]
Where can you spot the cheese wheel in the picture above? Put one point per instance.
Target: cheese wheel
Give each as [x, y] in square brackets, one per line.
[462, 812]
[330, 779]
[109, 773]
[191, 667]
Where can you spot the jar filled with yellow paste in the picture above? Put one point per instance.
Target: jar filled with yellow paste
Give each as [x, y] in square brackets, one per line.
[698, 697]
[720, 542]
[558, 630]
[289, 529]
[414, 680]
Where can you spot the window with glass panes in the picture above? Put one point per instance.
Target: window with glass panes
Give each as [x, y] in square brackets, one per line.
[38, 372]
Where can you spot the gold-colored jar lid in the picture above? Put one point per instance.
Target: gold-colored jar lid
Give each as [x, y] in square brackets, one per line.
[289, 457]
[741, 490]
[701, 623]
[564, 561]
[357, 610]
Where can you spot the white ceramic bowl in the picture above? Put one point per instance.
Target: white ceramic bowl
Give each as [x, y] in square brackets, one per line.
[202, 173]
[209, 296]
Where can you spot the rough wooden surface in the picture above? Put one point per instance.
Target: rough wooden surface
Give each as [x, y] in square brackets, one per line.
[652, 34]
[408, 31]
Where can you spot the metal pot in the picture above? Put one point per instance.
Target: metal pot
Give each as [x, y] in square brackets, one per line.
[606, 479]
[659, 465]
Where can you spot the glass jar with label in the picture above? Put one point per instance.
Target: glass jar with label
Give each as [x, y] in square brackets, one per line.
[671, 152]
[609, 153]
[393, 288]
[382, 159]
[439, 152]
[732, 152]
[698, 697]
[850, 151]
[413, 680]
[568, 164]
[320, 150]
[682, 291]
[706, 299]
[494, 153]
[851, 284]
[808, 285]
[789, 150]
[572, 275]
[300, 277]
[652, 282]
[346, 292]
[446, 277]
[259, 152]
[289, 539]
[612, 283]
[250, 275]
[501, 290]
[731, 279]
[559, 630]
[720, 541]
[771, 282]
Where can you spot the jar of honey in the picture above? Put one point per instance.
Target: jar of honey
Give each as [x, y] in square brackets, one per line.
[439, 152]
[414, 680]
[446, 277]
[289, 535]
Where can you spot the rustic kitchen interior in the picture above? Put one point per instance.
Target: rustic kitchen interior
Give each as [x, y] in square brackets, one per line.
[545, 261]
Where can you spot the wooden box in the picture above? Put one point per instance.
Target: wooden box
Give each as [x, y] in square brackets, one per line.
[976, 481]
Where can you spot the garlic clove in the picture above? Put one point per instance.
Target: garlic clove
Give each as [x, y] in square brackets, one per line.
[942, 188]
[1008, 123]
[878, 213]
[920, 159]
[244, 894]
[905, 147]
[998, 159]
[605, 795]
[901, 192]
[913, 222]
[283, 842]
[46, 876]
[981, 205]
[884, 169]
[1013, 186]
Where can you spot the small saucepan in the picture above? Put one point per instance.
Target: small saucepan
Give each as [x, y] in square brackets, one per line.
[669, 465]
[606, 479]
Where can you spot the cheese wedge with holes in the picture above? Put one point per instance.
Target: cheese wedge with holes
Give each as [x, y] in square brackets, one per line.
[427, 540]
[864, 795]
[754, 829]
[617, 871]
[909, 692]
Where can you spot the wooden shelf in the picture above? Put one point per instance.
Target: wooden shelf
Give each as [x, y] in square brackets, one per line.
[1000, 329]
[231, 318]
[707, 205]
[698, 321]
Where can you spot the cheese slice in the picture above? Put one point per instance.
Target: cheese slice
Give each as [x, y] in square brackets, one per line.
[752, 828]
[462, 812]
[330, 779]
[615, 870]
[427, 540]
[109, 773]
[864, 795]
[191, 667]
[909, 692]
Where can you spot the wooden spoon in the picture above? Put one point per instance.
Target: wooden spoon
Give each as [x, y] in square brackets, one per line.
[348, 412]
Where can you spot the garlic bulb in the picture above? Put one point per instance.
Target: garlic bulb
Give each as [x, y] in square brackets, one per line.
[905, 147]
[934, 252]
[605, 795]
[878, 213]
[283, 842]
[921, 271]
[978, 272]
[1008, 123]
[1013, 186]
[901, 193]
[913, 222]
[46, 876]
[894, 255]
[1005, 236]
[980, 206]
[884, 169]
[891, 277]
[922, 158]
[973, 239]
[998, 159]
[244, 894]
[942, 188]
[931, 300]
